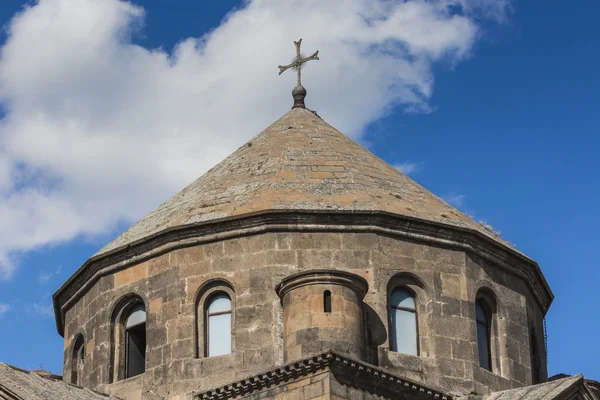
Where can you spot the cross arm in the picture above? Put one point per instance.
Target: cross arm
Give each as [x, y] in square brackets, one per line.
[298, 62]
[283, 68]
[314, 56]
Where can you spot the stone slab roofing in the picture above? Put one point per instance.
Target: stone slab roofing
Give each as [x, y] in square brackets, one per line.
[572, 387]
[19, 384]
[298, 163]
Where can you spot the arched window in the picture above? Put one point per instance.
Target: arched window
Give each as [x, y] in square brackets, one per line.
[218, 325]
[77, 361]
[135, 341]
[127, 338]
[327, 301]
[403, 318]
[215, 318]
[484, 330]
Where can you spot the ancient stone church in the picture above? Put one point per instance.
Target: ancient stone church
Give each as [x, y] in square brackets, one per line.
[303, 267]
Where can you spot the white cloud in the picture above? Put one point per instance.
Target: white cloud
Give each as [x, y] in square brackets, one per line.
[98, 130]
[45, 275]
[4, 308]
[455, 199]
[407, 168]
[43, 310]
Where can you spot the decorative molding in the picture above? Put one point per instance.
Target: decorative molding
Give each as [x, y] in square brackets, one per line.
[379, 222]
[328, 276]
[370, 378]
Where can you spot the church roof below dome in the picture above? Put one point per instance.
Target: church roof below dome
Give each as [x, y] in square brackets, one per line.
[571, 387]
[298, 163]
[20, 384]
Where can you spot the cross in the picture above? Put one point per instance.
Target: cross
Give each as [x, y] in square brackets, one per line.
[297, 63]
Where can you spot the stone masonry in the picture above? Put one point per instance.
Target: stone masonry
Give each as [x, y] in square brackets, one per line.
[254, 265]
[299, 211]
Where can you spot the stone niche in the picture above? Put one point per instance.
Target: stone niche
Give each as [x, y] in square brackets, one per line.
[322, 309]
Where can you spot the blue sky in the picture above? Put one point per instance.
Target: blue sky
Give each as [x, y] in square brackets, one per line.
[507, 130]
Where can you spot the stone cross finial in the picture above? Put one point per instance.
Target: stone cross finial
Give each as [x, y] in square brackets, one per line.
[299, 92]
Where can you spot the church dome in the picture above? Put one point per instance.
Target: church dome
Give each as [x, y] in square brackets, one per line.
[299, 163]
[299, 244]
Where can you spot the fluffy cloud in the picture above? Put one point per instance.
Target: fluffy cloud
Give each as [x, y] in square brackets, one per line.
[97, 130]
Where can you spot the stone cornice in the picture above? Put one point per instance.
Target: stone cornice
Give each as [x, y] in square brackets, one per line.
[301, 221]
[348, 371]
[327, 276]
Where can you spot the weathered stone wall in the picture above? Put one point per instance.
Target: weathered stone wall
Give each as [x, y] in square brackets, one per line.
[446, 283]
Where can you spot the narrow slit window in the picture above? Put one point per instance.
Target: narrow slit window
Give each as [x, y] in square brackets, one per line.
[327, 301]
[218, 326]
[135, 342]
[483, 317]
[403, 318]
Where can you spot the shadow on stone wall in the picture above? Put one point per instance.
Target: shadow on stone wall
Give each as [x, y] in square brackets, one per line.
[376, 334]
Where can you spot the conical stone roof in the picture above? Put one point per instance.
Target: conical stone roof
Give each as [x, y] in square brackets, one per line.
[298, 163]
